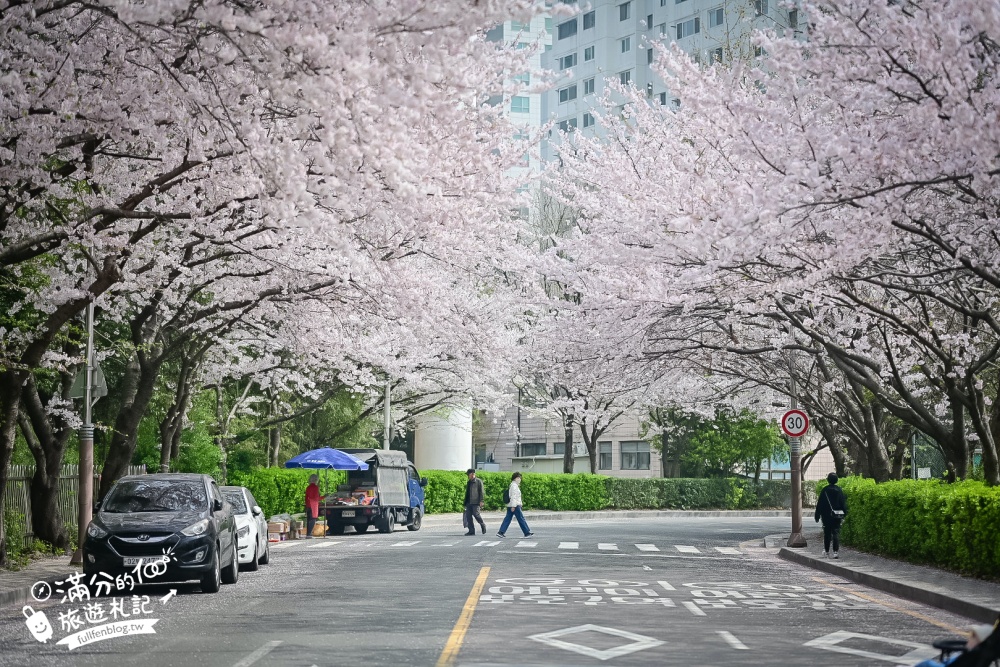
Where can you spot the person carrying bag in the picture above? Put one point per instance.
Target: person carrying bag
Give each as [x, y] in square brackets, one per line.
[831, 507]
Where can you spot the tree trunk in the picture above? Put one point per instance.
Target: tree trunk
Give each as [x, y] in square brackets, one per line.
[991, 466]
[568, 458]
[11, 386]
[274, 443]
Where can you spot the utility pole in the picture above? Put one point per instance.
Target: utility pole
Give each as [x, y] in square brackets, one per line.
[386, 417]
[86, 492]
[796, 539]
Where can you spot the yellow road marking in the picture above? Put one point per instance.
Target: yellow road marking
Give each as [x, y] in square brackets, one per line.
[464, 621]
[914, 614]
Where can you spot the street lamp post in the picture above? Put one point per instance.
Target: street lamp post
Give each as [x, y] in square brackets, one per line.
[86, 491]
[386, 415]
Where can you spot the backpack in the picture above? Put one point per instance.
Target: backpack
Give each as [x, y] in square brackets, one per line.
[506, 495]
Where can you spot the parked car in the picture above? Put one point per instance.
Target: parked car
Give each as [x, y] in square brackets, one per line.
[390, 492]
[251, 528]
[181, 516]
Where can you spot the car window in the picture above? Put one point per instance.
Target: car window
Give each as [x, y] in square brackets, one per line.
[253, 501]
[237, 500]
[159, 495]
[215, 492]
[413, 474]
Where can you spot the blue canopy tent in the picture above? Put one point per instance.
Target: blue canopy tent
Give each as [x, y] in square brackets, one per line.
[326, 458]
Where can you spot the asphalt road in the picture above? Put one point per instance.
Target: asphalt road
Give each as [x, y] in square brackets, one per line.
[638, 592]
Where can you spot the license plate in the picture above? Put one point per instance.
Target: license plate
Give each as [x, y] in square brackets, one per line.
[132, 561]
[347, 513]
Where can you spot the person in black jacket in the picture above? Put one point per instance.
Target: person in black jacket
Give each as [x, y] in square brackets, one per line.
[832, 508]
[474, 497]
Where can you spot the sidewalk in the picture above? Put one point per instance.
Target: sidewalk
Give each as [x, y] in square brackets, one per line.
[455, 518]
[972, 598]
[15, 586]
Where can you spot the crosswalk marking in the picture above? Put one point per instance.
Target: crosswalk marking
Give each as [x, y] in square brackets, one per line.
[405, 544]
[569, 545]
[732, 640]
[445, 544]
[729, 550]
[646, 547]
[486, 543]
[686, 549]
[321, 544]
[607, 546]
[526, 544]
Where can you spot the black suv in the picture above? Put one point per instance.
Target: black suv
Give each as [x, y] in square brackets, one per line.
[178, 518]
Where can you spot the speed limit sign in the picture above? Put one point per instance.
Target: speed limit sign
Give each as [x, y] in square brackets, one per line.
[795, 423]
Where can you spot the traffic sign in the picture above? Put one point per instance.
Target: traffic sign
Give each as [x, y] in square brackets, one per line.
[795, 423]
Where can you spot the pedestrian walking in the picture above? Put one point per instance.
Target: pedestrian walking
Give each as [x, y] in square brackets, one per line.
[312, 504]
[474, 502]
[514, 508]
[831, 507]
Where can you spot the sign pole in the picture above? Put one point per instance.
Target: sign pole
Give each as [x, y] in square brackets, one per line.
[796, 539]
[86, 491]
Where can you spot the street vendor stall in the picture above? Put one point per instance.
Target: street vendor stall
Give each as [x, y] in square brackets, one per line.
[327, 459]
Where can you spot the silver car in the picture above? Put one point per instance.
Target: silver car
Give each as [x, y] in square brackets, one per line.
[251, 528]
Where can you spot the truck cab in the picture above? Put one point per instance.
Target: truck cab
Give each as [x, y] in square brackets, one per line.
[390, 492]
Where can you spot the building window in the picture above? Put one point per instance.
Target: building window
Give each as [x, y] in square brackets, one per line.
[588, 86]
[589, 20]
[649, 56]
[716, 17]
[760, 7]
[663, 3]
[517, 26]
[663, 99]
[588, 119]
[793, 19]
[520, 104]
[523, 78]
[521, 45]
[649, 22]
[662, 29]
[559, 448]
[604, 456]
[717, 55]
[688, 28]
[568, 125]
[568, 93]
[626, 44]
[548, 24]
[567, 29]
[625, 11]
[588, 54]
[532, 449]
[677, 2]
[625, 77]
[649, 89]
[567, 61]
[635, 455]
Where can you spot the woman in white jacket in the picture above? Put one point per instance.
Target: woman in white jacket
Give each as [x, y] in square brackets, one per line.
[514, 508]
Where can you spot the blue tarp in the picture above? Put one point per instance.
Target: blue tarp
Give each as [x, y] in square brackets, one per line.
[326, 458]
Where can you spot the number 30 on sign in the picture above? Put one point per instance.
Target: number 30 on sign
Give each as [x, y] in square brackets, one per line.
[795, 423]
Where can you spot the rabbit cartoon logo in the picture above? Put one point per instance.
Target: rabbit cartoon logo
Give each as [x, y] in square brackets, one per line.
[38, 623]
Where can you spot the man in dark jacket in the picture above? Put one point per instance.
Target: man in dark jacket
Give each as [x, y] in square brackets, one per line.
[474, 502]
[832, 508]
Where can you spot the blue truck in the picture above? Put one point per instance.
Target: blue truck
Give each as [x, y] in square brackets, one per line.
[388, 494]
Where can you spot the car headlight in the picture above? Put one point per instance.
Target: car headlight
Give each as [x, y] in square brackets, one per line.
[196, 528]
[95, 531]
[243, 532]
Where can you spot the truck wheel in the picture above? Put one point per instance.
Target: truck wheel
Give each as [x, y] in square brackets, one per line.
[415, 519]
[362, 527]
[336, 529]
[388, 524]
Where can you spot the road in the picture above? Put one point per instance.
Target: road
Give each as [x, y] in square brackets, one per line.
[679, 591]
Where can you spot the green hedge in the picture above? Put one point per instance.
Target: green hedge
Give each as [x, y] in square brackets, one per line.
[446, 491]
[954, 526]
[687, 494]
[283, 490]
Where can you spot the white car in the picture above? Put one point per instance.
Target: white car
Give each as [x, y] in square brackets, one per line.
[251, 528]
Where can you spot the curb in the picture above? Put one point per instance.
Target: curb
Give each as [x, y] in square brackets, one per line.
[22, 596]
[637, 514]
[966, 608]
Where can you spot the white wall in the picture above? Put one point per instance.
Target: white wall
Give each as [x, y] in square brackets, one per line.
[442, 439]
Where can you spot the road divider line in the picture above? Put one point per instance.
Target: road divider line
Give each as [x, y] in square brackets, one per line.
[258, 654]
[732, 640]
[693, 608]
[454, 643]
[914, 614]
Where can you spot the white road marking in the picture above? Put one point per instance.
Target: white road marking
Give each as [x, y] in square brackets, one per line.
[832, 642]
[635, 643]
[445, 544]
[693, 608]
[686, 549]
[569, 545]
[729, 550]
[405, 544]
[526, 544]
[486, 543]
[646, 547]
[607, 546]
[732, 640]
[282, 545]
[647, 568]
[321, 544]
[666, 586]
[258, 654]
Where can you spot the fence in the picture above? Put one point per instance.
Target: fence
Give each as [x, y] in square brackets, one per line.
[17, 502]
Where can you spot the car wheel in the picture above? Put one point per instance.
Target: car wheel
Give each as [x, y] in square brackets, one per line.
[231, 574]
[362, 527]
[254, 564]
[388, 524]
[266, 558]
[416, 520]
[211, 581]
